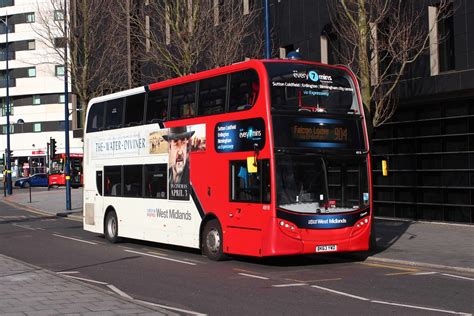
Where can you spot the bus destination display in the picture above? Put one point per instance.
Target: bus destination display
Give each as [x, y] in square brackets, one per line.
[291, 131]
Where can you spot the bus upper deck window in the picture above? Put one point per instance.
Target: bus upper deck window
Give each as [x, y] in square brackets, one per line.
[183, 101]
[95, 121]
[114, 113]
[134, 108]
[212, 95]
[244, 89]
[157, 106]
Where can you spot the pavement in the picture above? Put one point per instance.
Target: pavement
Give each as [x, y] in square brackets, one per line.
[430, 245]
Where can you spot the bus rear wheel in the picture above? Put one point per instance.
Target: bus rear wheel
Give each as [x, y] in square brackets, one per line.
[111, 227]
[212, 241]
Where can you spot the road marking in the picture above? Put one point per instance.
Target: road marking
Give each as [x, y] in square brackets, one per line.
[24, 227]
[379, 265]
[84, 241]
[340, 293]
[119, 292]
[85, 280]
[458, 276]
[425, 273]
[158, 253]
[68, 272]
[389, 303]
[172, 308]
[420, 307]
[289, 285]
[160, 257]
[311, 281]
[399, 273]
[254, 276]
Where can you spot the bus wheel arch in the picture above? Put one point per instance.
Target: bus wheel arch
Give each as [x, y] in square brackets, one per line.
[211, 238]
[111, 225]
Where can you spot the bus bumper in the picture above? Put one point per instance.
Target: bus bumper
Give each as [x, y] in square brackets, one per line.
[296, 241]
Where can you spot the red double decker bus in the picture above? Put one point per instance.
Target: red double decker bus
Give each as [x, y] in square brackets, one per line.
[260, 158]
[57, 175]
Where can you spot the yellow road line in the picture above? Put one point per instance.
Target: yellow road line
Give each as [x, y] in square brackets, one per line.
[380, 265]
[317, 280]
[401, 273]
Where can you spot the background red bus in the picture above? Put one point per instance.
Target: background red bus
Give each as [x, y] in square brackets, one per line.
[56, 174]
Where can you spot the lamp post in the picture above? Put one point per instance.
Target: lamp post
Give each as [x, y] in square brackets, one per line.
[268, 52]
[66, 116]
[7, 100]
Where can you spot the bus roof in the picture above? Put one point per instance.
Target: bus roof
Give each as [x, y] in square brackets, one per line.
[252, 63]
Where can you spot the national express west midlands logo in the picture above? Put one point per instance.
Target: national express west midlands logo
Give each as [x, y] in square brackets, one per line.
[311, 75]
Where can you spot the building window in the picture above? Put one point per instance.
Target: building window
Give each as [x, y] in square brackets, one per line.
[62, 98]
[167, 25]
[32, 72]
[36, 99]
[4, 108]
[12, 129]
[147, 31]
[446, 42]
[248, 6]
[30, 17]
[60, 42]
[59, 71]
[218, 11]
[58, 15]
[6, 3]
[36, 127]
[31, 45]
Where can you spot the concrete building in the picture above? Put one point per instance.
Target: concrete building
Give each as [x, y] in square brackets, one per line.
[36, 85]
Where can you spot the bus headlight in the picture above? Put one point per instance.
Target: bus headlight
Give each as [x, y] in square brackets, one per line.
[289, 228]
[360, 225]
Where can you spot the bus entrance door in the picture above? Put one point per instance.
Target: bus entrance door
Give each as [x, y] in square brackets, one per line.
[249, 189]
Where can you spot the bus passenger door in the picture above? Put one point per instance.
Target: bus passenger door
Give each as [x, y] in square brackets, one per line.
[249, 192]
[93, 194]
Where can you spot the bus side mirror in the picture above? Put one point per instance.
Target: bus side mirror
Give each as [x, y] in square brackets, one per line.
[251, 166]
[256, 151]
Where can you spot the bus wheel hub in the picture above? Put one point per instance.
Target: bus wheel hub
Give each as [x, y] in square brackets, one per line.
[213, 240]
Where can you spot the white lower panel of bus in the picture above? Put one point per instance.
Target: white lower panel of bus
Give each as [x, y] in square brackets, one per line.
[164, 221]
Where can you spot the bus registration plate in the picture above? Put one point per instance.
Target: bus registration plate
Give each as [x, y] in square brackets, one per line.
[326, 248]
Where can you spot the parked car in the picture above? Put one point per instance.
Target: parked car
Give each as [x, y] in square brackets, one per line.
[36, 180]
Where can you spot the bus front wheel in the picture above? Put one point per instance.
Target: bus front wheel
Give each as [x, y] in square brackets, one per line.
[212, 241]
[111, 227]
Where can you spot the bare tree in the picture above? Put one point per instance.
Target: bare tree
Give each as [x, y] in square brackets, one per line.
[183, 37]
[379, 39]
[95, 60]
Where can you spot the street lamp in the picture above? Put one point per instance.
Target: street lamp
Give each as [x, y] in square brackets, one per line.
[7, 154]
[66, 116]
[268, 52]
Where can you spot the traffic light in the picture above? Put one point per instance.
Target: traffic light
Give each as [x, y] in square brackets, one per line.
[52, 148]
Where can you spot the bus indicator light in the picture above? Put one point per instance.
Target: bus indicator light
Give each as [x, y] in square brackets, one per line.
[384, 168]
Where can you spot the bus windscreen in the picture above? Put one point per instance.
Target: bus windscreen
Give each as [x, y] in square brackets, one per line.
[311, 88]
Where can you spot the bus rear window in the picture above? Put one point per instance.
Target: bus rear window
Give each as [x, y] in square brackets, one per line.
[302, 87]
